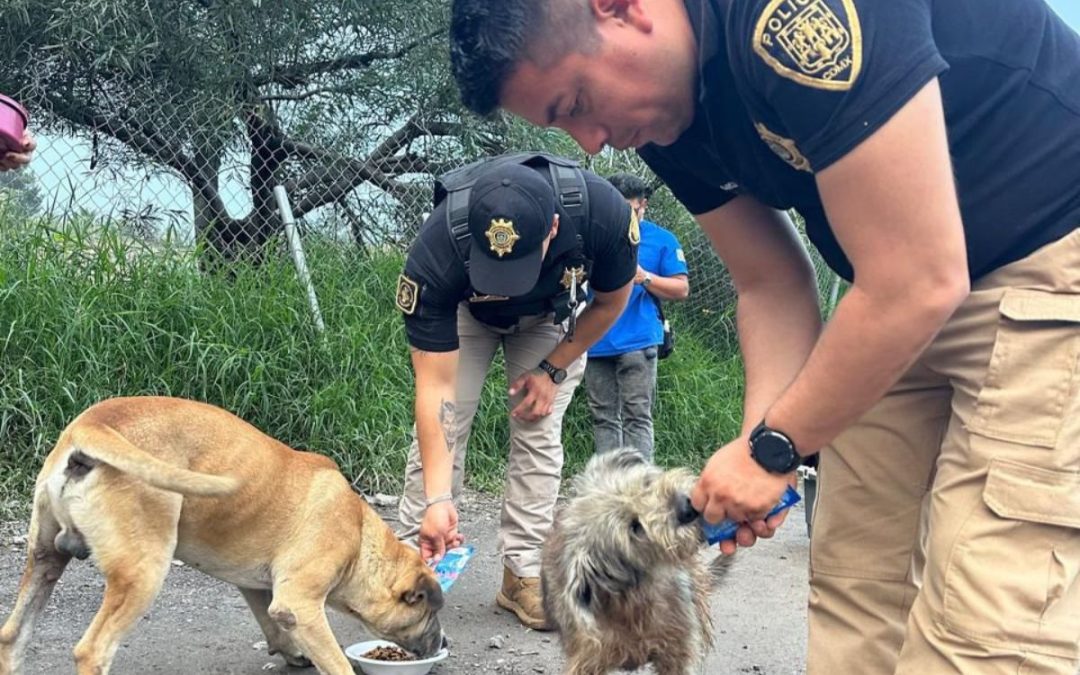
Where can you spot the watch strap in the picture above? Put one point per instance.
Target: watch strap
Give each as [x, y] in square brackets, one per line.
[551, 369]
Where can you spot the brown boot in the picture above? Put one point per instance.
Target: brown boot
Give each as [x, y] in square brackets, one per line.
[521, 595]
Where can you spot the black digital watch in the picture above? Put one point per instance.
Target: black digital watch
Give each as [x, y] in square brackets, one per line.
[773, 450]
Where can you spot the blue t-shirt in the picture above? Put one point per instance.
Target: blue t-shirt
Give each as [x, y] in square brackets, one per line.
[639, 326]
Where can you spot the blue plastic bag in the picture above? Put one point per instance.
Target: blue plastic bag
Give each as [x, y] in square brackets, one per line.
[451, 565]
[726, 529]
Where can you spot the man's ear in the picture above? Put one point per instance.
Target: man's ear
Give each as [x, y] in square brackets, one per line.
[554, 228]
[631, 12]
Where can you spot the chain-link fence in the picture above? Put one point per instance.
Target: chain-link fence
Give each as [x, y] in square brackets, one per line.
[338, 198]
[174, 122]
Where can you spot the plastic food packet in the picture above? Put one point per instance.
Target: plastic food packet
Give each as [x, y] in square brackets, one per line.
[726, 529]
[451, 565]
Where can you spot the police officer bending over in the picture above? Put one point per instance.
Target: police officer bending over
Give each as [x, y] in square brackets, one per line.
[504, 259]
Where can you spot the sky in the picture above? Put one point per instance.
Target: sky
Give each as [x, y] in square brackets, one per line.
[1068, 10]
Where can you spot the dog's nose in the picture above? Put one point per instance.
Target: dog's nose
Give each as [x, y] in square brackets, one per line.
[684, 510]
[445, 642]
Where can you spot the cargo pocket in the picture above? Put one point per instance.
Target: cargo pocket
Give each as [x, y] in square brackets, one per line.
[1013, 578]
[1033, 369]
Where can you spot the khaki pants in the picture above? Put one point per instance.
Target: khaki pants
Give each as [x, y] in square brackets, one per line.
[534, 466]
[946, 537]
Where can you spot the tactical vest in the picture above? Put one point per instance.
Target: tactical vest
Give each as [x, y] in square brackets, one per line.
[549, 294]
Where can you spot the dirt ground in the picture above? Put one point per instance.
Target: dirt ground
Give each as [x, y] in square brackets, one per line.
[201, 625]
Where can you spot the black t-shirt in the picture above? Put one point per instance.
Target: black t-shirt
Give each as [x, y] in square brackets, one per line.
[787, 87]
[604, 253]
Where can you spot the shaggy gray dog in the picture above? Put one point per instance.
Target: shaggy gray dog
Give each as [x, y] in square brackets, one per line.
[625, 581]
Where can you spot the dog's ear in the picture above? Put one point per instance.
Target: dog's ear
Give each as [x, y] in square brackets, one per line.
[579, 584]
[425, 589]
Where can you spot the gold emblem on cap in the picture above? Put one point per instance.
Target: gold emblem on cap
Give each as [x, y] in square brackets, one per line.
[817, 43]
[784, 148]
[502, 236]
[408, 294]
[572, 273]
[634, 233]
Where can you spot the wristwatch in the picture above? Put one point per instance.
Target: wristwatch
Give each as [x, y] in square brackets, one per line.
[646, 281]
[556, 374]
[773, 450]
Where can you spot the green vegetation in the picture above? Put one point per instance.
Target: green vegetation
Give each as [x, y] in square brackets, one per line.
[87, 314]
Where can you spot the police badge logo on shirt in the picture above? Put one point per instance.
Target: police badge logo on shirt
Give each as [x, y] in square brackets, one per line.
[817, 43]
[634, 233]
[784, 148]
[570, 274]
[502, 236]
[408, 294]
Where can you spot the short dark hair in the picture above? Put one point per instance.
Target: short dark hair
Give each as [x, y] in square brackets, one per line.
[630, 186]
[489, 37]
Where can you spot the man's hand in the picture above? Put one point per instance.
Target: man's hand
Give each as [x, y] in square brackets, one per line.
[439, 531]
[734, 486]
[640, 275]
[539, 400]
[18, 156]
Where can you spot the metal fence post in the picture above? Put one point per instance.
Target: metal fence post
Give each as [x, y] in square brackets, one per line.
[298, 254]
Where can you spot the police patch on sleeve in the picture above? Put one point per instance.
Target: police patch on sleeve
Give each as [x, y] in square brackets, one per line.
[817, 43]
[784, 148]
[634, 233]
[408, 294]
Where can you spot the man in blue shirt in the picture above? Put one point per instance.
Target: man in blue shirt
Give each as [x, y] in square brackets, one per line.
[621, 373]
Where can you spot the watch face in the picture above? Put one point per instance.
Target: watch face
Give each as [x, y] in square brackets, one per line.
[558, 376]
[773, 452]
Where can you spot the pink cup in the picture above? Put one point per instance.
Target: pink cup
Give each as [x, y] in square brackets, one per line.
[13, 121]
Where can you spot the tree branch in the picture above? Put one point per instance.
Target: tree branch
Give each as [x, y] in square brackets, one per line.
[300, 74]
[333, 180]
[143, 138]
[413, 163]
[304, 95]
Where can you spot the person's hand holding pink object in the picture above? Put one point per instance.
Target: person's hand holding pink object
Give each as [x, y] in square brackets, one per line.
[16, 143]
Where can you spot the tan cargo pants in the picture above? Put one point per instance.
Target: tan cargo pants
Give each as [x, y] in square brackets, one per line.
[534, 466]
[946, 537]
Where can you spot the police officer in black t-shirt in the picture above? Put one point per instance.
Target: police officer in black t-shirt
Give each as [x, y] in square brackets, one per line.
[932, 148]
[506, 259]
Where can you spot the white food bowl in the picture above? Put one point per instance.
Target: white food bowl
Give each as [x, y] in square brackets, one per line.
[372, 667]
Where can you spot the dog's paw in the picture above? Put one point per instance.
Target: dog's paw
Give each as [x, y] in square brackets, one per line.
[293, 657]
[298, 661]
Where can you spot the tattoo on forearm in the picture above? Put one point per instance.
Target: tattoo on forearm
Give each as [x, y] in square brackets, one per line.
[448, 420]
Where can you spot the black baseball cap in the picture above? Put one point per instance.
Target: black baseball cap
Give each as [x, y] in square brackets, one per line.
[511, 211]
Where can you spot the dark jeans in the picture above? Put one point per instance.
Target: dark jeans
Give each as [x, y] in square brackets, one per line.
[621, 390]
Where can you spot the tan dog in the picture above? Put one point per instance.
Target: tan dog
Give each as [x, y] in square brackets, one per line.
[136, 482]
[624, 577]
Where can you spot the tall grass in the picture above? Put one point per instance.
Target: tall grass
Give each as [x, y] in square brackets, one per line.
[86, 314]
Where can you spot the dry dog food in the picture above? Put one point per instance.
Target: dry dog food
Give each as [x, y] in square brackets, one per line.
[389, 654]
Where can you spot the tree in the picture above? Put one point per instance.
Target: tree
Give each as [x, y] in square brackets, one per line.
[321, 97]
[20, 190]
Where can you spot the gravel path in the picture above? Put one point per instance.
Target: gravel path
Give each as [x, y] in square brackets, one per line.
[201, 625]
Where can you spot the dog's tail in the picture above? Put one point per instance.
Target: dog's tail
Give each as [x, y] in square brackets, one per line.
[719, 568]
[101, 443]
